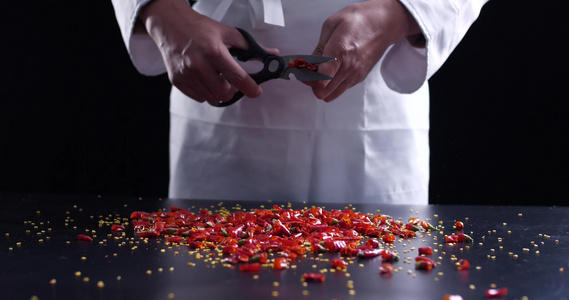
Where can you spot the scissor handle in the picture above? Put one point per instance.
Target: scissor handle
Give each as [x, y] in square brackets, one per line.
[273, 65]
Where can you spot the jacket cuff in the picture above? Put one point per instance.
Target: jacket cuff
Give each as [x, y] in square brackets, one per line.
[143, 52]
[405, 65]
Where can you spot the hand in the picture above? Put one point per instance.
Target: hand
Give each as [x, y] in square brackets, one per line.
[195, 50]
[358, 36]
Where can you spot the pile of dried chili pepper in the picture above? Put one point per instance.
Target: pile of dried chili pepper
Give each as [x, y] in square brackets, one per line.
[247, 237]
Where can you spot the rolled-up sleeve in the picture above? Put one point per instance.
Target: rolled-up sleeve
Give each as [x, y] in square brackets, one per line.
[405, 68]
[143, 51]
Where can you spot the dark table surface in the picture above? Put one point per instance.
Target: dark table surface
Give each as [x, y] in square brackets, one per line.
[525, 249]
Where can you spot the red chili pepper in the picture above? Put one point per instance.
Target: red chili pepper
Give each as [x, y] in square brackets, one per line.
[148, 233]
[301, 63]
[250, 267]
[423, 263]
[459, 225]
[385, 268]
[414, 221]
[460, 237]
[230, 249]
[175, 208]
[338, 263]
[496, 293]
[388, 238]
[263, 257]
[426, 250]
[83, 237]
[313, 277]
[367, 253]
[463, 264]
[116, 227]
[452, 297]
[280, 263]
[174, 239]
[428, 226]
[372, 243]
[389, 255]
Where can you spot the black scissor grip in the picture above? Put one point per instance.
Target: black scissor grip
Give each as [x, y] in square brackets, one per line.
[273, 65]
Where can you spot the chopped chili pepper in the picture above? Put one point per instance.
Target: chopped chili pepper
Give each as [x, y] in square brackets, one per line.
[414, 221]
[463, 264]
[459, 225]
[301, 63]
[280, 263]
[116, 227]
[175, 208]
[388, 238]
[338, 263]
[385, 268]
[367, 253]
[250, 267]
[248, 236]
[313, 277]
[426, 250]
[372, 243]
[452, 297]
[174, 239]
[148, 233]
[496, 293]
[423, 263]
[458, 238]
[83, 237]
[389, 255]
[428, 226]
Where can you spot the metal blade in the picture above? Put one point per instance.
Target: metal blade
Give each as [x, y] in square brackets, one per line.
[311, 59]
[304, 75]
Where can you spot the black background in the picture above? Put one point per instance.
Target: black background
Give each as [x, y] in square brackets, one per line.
[76, 118]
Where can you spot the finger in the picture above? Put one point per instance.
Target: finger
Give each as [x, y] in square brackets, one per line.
[325, 33]
[218, 88]
[274, 51]
[233, 72]
[328, 68]
[343, 79]
[338, 91]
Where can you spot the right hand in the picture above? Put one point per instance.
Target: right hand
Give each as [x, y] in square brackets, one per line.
[195, 50]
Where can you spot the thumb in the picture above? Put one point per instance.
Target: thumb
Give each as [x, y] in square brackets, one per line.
[325, 35]
[326, 69]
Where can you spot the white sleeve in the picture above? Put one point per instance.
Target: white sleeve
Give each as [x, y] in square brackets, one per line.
[444, 23]
[143, 52]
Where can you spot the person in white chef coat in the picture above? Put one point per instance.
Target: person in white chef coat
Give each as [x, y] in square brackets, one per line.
[360, 137]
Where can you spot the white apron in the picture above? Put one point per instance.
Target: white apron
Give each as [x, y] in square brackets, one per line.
[369, 145]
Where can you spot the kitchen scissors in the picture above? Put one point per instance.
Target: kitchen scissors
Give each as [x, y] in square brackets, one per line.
[275, 66]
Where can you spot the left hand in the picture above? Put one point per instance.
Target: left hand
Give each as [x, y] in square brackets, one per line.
[358, 36]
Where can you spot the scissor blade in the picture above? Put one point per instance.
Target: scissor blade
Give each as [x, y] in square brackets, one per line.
[304, 75]
[311, 59]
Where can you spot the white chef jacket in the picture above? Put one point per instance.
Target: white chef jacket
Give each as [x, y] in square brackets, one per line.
[370, 144]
